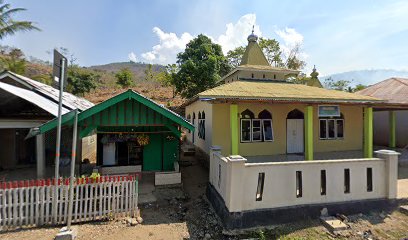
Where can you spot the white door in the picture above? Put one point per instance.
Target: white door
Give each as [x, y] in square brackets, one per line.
[294, 136]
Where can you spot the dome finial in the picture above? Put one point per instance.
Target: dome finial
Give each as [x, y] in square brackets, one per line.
[253, 37]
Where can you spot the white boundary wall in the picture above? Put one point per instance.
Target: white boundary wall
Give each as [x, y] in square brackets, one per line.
[238, 181]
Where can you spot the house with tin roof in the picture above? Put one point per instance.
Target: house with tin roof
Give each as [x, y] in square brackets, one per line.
[26, 103]
[390, 124]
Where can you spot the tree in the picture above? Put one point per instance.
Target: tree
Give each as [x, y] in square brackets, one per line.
[272, 51]
[9, 26]
[341, 85]
[201, 65]
[359, 87]
[234, 56]
[81, 81]
[166, 77]
[293, 61]
[43, 78]
[14, 61]
[124, 77]
[149, 76]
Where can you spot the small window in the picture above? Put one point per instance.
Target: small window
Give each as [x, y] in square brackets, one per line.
[274, 76]
[298, 184]
[267, 130]
[246, 130]
[340, 128]
[346, 180]
[369, 179]
[252, 75]
[263, 76]
[323, 182]
[259, 189]
[256, 130]
[323, 129]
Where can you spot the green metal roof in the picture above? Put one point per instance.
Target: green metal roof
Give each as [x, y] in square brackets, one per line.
[90, 118]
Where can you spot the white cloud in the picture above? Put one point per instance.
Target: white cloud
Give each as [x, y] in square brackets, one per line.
[132, 57]
[290, 37]
[170, 44]
[166, 51]
[235, 35]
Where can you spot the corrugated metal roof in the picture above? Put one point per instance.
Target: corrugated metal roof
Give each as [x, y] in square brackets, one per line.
[394, 90]
[38, 100]
[69, 100]
[262, 90]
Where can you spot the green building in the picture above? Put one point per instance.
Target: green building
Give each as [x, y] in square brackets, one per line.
[134, 133]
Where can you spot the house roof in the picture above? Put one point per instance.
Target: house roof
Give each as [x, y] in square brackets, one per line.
[394, 90]
[266, 90]
[130, 94]
[30, 96]
[69, 100]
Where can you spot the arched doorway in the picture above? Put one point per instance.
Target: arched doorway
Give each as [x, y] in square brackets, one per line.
[294, 132]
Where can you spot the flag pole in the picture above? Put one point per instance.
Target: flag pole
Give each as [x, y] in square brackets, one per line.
[71, 182]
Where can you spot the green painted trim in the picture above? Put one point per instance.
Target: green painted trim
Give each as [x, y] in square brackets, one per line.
[174, 130]
[368, 132]
[309, 133]
[86, 131]
[234, 129]
[67, 117]
[392, 124]
[121, 114]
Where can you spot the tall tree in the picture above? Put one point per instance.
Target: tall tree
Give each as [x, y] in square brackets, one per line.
[234, 56]
[201, 65]
[166, 77]
[124, 77]
[14, 61]
[341, 85]
[9, 26]
[272, 51]
[81, 81]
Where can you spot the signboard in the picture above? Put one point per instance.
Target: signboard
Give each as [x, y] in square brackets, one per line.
[329, 111]
[57, 68]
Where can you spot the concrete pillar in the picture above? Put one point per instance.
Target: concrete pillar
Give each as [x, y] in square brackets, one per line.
[40, 150]
[391, 171]
[392, 131]
[235, 183]
[234, 129]
[309, 133]
[368, 132]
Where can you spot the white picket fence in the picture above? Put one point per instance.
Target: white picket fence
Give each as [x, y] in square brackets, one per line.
[29, 203]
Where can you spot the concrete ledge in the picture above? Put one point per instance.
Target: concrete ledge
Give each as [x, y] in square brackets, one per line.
[265, 217]
[167, 178]
[114, 170]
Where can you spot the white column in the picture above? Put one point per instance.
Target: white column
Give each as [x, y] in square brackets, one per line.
[39, 139]
[235, 182]
[391, 171]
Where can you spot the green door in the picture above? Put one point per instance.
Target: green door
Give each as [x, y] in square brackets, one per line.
[170, 152]
[152, 154]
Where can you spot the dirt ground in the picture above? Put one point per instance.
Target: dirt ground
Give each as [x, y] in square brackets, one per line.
[184, 213]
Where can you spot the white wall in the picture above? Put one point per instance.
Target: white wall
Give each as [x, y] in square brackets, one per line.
[196, 107]
[381, 128]
[239, 181]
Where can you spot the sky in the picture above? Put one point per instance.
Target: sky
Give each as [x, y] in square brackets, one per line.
[336, 36]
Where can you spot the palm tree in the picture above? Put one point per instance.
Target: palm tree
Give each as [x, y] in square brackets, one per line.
[8, 26]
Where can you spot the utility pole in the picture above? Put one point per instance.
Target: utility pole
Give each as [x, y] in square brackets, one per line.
[60, 63]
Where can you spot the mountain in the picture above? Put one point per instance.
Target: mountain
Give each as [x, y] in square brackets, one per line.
[137, 68]
[366, 77]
